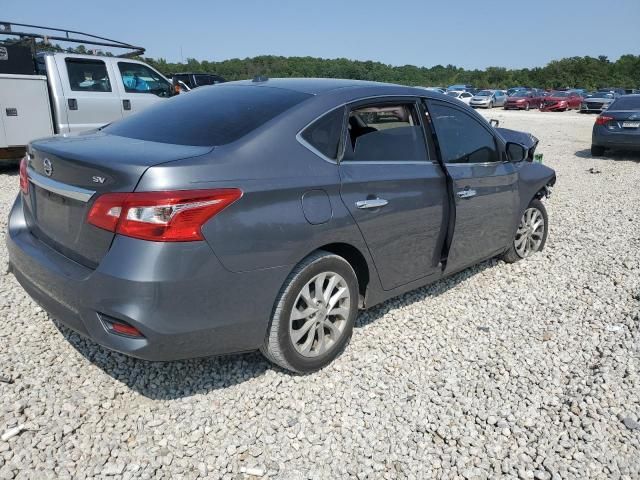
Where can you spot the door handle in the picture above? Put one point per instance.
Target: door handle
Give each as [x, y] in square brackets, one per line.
[466, 193]
[126, 104]
[371, 203]
[73, 103]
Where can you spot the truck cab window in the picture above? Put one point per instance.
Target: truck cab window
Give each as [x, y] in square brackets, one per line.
[138, 78]
[87, 75]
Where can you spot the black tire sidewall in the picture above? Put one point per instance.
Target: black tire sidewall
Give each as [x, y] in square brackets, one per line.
[328, 264]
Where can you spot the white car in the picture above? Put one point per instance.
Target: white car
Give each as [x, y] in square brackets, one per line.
[464, 97]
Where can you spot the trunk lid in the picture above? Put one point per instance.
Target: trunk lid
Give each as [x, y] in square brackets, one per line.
[68, 173]
[625, 122]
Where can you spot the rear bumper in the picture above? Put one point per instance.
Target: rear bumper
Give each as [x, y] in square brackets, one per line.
[177, 294]
[603, 137]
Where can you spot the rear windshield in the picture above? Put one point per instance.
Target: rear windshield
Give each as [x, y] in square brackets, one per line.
[207, 116]
[626, 103]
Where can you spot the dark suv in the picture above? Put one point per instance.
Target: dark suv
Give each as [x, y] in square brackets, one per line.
[195, 80]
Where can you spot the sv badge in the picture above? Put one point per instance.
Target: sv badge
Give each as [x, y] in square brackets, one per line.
[97, 179]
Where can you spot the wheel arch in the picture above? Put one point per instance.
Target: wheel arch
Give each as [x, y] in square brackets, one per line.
[358, 262]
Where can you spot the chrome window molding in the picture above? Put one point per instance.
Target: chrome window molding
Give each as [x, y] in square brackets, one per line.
[59, 188]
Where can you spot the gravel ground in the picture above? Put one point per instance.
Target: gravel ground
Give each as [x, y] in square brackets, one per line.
[524, 371]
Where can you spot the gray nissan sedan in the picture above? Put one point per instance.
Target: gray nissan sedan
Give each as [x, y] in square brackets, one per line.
[263, 214]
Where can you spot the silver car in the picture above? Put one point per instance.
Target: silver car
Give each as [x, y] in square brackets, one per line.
[597, 101]
[488, 99]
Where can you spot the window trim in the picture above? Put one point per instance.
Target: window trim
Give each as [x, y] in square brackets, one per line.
[313, 149]
[68, 60]
[416, 99]
[495, 138]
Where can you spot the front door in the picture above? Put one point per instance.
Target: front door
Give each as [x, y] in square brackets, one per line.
[394, 191]
[140, 86]
[484, 184]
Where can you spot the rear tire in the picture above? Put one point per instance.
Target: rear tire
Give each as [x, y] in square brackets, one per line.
[531, 236]
[314, 313]
[597, 151]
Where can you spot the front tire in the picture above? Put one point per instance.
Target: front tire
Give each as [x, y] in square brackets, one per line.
[597, 151]
[314, 313]
[531, 235]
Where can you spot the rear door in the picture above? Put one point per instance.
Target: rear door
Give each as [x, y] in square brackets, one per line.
[91, 96]
[139, 86]
[393, 189]
[485, 186]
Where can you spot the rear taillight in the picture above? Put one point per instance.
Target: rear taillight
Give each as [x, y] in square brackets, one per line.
[24, 177]
[603, 119]
[160, 216]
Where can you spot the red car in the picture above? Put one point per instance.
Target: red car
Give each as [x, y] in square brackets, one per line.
[561, 101]
[524, 100]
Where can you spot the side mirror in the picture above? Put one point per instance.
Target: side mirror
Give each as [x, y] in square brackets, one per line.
[494, 123]
[516, 152]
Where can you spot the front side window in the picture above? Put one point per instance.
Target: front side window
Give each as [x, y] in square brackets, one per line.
[87, 75]
[386, 132]
[462, 139]
[138, 78]
[324, 134]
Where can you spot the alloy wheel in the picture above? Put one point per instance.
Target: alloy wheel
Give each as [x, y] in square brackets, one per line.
[530, 233]
[319, 314]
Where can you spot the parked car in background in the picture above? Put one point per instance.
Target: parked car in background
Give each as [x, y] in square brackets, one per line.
[561, 102]
[461, 88]
[488, 99]
[464, 97]
[513, 90]
[615, 90]
[597, 101]
[435, 89]
[195, 80]
[618, 127]
[157, 258]
[524, 100]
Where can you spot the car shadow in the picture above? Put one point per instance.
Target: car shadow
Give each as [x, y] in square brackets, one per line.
[8, 168]
[185, 378]
[617, 155]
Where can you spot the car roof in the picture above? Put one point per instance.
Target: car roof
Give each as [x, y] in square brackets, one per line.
[314, 86]
[333, 86]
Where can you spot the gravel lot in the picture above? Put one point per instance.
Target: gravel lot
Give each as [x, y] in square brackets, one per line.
[529, 370]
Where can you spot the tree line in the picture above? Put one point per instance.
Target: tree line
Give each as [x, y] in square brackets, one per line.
[573, 72]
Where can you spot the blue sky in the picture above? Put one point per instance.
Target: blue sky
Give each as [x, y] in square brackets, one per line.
[470, 34]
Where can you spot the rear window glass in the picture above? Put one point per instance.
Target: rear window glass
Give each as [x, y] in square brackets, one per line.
[208, 116]
[626, 103]
[87, 75]
[324, 133]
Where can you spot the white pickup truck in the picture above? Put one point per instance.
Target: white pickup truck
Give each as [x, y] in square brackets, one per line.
[71, 93]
